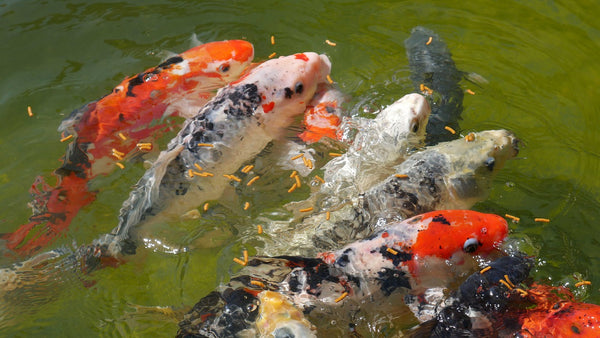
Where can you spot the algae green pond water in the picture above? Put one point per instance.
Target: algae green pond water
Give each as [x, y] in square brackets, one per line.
[539, 57]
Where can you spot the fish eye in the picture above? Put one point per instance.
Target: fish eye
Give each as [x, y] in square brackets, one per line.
[489, 163]
[415, 127]
[224, 68]
[471, 245]
[299, 88]
[251, 307]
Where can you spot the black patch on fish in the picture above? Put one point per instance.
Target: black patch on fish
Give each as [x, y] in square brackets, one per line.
[237, 101]
[220, 315]
[170, 62]
[288, 93]
[391, 279]
[313, 269]
[396, 259]
[441, 219]
[299, 88]
[75, 161]
[135, 81]
[343, 260]
[139, 79]
[330, 110]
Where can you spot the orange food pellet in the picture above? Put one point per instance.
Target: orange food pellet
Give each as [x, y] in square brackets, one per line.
[452, 131]
[239, 261]
[66, 138]
[339, 299]
[254, 179]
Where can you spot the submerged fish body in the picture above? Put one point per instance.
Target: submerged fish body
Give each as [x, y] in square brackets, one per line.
[433, 71]
[106, 130]
[375, 267]
[278, 317]
[231, 129]
[493, 302]
[450, 175]
[558, 314]
[381, 143]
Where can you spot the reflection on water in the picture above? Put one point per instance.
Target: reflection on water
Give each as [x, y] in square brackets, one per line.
[539, 58]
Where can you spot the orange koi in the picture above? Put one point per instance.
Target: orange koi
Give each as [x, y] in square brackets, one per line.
[558, 314]
[113, 125]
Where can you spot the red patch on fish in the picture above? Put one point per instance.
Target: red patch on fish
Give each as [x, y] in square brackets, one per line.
[320, 122]
[301, 56]
[267, 107]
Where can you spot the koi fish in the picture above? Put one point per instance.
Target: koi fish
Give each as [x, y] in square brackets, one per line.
[558, 314]
[390, 260]
[450, 175]
[105, 131]
[231, 129]
[434, 73]
[278, 317]
[492, 302]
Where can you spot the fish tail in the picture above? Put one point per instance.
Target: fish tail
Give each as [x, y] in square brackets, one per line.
[53, 210]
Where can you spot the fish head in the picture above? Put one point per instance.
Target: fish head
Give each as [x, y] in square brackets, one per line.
[286, 85]
[278, 317]
[405, 120]
[445, 233]
[475, 161]
[224, 60]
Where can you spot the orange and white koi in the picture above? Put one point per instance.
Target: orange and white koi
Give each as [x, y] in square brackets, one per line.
[230, 130]
[110, 128]
[389, 261]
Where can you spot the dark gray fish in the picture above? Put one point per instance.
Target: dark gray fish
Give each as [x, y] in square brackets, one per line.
[431, 65]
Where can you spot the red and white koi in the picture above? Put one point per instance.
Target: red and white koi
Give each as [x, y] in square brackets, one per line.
[108, 129]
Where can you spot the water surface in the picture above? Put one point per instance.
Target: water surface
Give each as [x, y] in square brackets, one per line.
[540, 58]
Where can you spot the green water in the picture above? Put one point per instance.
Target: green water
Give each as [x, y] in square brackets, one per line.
[540, 58]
